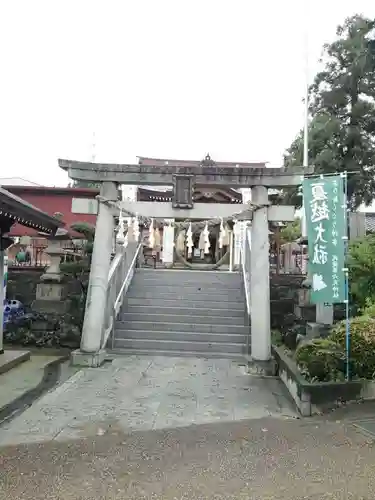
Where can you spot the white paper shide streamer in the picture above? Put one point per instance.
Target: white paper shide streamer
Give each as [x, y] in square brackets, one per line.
[130, 233]
[189, 240]
[223, 235]
[206, 234]
[136, 228]
[121, 237]
[151, 236]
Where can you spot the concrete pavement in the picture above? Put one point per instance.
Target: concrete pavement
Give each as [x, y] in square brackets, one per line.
[261, 459]
[181, 428]
[144, 393]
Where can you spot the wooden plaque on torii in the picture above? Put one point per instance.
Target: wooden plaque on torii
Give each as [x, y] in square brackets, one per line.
[183, 190]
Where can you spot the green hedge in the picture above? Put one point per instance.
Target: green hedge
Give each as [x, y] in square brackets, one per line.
[325, 359]
[362, 344]
[321, 359]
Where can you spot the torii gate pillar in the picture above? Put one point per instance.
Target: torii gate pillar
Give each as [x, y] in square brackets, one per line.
[91, 352]
[260, 278]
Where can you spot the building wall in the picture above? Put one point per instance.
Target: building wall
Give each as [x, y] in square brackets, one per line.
[51, 202]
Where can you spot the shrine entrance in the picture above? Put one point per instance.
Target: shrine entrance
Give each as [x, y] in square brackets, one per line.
[197, 245]
[200, 245]
[185, 177]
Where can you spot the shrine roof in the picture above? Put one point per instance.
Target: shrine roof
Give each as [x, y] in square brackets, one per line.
[15, 209]
[52, 201]
[51, 190]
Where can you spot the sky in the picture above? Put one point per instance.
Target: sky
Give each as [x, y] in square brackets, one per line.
[159, 78]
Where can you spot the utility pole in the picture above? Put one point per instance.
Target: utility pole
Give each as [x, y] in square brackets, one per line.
[306, 119]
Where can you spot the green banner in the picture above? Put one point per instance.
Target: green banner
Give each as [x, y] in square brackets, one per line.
[325, 211]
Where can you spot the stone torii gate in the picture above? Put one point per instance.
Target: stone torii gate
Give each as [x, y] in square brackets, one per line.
[183, 179]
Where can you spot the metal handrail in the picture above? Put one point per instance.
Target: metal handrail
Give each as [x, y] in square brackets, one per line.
[245, 253]
[115, 262]
[245, 261]
[118, 285]
[126, 280]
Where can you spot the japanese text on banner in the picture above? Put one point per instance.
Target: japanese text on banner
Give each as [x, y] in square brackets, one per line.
[326, 228]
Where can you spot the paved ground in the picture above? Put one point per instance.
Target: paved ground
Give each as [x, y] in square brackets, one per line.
[24, 377]
[179, 428]
[145, 393]
[263, 459]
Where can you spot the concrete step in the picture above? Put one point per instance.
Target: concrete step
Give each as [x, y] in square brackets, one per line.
[165, 290]
[186, 354]
[182, 282]
[126, 334]
[164, 326]
[140, 287]
[179, 346]
[187, 273]
[188, 319]
[186, 303]
[193, 278]
[211, 285]
[140, 310]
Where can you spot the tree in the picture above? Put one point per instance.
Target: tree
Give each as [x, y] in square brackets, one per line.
[342, 110]
[291, 232]
[79, 271]
[361, 264]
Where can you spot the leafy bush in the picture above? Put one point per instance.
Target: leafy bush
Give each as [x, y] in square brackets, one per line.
[80, 271]
[362, 343]
[276, 338]
[361, 264]
[369, 309]
[321, 359]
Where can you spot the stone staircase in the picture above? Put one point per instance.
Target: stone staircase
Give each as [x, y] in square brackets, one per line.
[175, 312]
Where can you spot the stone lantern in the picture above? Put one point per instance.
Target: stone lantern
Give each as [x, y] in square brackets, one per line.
[50, 292]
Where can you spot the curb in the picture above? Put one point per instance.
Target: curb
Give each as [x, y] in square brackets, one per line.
[50, 378]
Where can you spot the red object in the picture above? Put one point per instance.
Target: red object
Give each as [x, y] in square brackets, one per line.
[53, 200]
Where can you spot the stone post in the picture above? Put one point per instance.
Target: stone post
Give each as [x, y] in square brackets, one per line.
[168, 243]
[324, 314]
[90, 353]
[290, 266]
[260, 279]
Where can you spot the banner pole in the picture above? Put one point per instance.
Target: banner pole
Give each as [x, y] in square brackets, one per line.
[346, 271]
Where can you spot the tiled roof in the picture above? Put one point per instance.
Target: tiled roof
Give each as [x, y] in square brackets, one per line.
[15, 209]
[53, 201]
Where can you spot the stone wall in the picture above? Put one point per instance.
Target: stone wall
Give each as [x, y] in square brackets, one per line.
[22, 282]
[55, 328]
